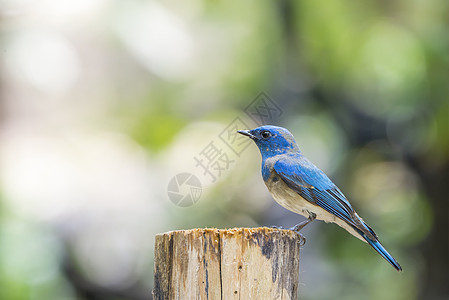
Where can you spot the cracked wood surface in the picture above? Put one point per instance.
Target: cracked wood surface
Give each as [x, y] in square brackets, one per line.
[239, 263]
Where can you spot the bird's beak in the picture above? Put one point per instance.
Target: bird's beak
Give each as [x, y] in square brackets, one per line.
[247, 133]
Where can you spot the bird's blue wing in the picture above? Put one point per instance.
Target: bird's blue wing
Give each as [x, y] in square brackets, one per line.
[313, 185]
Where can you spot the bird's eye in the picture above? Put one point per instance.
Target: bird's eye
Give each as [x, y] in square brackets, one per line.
[265, 134]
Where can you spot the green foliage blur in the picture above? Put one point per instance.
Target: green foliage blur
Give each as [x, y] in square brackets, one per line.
[104, 102]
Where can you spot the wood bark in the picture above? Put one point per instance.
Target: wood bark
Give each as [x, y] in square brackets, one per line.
[239, 263]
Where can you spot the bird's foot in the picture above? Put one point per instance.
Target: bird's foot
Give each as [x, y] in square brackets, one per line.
[299, 226]
[302, 239]
[276, 227]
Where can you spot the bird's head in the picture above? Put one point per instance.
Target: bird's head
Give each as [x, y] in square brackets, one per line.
[272, 140]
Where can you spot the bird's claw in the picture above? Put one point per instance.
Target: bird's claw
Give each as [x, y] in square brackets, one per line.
[302, 239]
[276, 227]
[301, 225]
[297, 228]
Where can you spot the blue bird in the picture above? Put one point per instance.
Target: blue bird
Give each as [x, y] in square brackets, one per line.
[298, 185]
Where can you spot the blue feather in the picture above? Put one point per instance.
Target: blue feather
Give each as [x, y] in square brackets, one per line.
[381, 250]
[313, 185]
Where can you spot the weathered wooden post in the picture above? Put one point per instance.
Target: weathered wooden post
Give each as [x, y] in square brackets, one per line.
[239, 263]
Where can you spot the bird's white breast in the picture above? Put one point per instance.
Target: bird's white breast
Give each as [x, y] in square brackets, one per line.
[291, 200]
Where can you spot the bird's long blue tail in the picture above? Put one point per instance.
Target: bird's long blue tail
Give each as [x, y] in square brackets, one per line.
[381, 250]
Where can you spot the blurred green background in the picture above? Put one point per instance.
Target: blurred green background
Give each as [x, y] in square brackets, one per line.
[103, 102]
